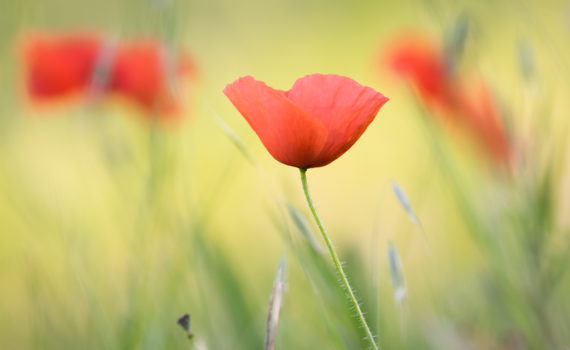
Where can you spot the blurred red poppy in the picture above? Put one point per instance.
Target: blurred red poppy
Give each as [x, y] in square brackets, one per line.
[481, 116]
[313, 123]
[141, 72]
[145, 74]
[59, 66]
[420, 62]
[464, 102]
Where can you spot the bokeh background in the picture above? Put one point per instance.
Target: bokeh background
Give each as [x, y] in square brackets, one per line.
[112, 227]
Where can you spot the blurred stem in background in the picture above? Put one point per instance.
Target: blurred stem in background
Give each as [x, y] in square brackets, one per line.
[513, 237]
[509, 210]
[338, 264]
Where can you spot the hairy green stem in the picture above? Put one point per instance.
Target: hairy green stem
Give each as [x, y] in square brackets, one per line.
[336, 261]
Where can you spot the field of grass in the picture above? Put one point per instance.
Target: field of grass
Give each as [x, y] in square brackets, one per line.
[113, 225]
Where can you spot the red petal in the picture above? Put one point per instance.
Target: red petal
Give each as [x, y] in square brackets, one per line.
[138, 74]
[345, 108]
[422, 61]
[59, 66]
[292, 136]
[143, 73]
[482, 118]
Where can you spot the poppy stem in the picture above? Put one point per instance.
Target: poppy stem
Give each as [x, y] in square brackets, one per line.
[336, 261]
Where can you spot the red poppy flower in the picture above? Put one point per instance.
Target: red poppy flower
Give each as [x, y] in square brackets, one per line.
[422, 63]
[313, 123]
[58, 67]
[145, 74]
[466, 103]
[141, 72]
[483, 119]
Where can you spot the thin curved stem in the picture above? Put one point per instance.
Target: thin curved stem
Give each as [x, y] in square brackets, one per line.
[336, 261]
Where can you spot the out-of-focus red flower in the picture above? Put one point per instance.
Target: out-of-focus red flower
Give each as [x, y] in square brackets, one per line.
[464, 102]
[421, 62]
[57, 67]
[481, 116]
[145, 73]
[313, 123]
[141, 72]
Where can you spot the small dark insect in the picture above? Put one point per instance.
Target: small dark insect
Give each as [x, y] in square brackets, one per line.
[184, 322]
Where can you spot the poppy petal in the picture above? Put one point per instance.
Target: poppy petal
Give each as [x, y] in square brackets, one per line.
[422, 62]
[138, 74]
[482, 118]
[291, 135]
[345, 108]
[56, 67]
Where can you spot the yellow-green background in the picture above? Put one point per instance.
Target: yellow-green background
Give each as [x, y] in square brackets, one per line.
[71, 230]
